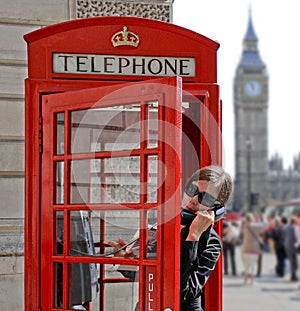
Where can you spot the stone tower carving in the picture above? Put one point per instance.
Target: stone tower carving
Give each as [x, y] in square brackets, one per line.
[154, 9]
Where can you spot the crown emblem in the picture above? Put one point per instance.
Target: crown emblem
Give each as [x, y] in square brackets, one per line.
[125, 37]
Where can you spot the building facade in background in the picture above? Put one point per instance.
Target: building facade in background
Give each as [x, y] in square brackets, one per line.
[283, 184]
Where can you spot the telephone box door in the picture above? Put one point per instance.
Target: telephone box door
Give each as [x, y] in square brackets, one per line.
[111, 197]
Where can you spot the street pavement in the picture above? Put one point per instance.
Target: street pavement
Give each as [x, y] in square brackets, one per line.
[268, 293]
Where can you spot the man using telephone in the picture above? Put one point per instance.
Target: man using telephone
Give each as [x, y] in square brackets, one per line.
[203, 203]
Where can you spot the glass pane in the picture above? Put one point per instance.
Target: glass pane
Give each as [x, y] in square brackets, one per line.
[152, 234]
[97, 190]
[59, 233]
[123, 179]
[84, 181]
[113, 180]
[83, 286]
[97, 185]
[60, 121]
[58, 288]
[114, 225]
[59, 182]
[121, 224]
[110, 128]
[152, 178]
[152, 117]
[121, 287]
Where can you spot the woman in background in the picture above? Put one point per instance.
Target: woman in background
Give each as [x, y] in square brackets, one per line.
[251, 246]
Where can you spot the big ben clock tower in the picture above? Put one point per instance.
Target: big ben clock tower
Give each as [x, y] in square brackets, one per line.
[251, 126]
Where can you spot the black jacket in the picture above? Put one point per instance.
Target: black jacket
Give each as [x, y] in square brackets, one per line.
[197, 260]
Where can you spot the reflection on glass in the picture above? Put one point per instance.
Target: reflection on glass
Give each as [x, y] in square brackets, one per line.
[84, 181]
[59, 233]
[123, 180]
[60, 121]
[112, 180]
[110, 128]
[83, 285]
[58, 288]
[96, 192]
[125, 291]
[96, 166]
[152, 178]
[152, 118]
[59, 182]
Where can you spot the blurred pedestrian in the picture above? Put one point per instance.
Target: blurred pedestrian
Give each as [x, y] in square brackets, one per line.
[297, 228]
[290, 245]
[277, 237]
[263, 244]
[231, 234]
[252, 245]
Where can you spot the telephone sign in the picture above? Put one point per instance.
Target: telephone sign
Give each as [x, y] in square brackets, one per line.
[123, 65]
[120, 111]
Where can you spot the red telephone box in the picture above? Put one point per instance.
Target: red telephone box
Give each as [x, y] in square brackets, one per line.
[120, 111]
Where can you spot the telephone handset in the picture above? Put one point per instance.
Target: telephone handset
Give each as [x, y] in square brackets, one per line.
[187, 216]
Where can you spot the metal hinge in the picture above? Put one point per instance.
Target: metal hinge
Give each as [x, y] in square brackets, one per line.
[41, 134]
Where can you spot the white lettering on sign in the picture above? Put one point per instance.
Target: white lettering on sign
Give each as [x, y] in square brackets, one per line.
[123, 65]
[150, 291]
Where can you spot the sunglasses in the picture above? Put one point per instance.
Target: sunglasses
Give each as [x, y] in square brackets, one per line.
[204, 198]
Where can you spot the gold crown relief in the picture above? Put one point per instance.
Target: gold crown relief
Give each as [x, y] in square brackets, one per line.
[125, 37]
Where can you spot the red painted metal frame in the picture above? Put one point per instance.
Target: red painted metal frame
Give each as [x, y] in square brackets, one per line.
[82, 36]
[210, 123]
[171, 198]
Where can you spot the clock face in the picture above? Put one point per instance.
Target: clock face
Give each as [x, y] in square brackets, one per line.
[253, 88]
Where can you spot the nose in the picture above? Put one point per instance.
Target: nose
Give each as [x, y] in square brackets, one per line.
[194, 199]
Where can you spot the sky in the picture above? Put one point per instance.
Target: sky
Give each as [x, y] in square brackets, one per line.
[277, 26]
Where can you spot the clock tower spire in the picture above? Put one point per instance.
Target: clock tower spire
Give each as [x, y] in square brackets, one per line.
[250, 56]
[251, 125]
